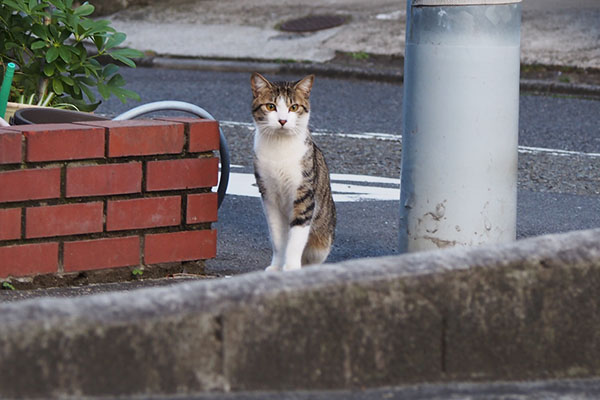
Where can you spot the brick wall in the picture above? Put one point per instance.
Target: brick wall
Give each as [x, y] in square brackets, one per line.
[91, 196]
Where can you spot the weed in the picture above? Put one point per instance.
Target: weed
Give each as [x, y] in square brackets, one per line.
[564, 79]
[137, 272]
[7, 286]
[359, 55]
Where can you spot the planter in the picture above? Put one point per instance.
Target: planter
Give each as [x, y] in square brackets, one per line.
[48, 115]
[12, 108]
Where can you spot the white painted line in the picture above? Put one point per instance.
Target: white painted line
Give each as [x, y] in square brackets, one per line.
[398, 138]
[244, 184]
[364, 179]
[555, 152]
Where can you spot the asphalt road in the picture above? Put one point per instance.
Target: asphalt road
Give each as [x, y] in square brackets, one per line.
[357, 106]
[558, 191]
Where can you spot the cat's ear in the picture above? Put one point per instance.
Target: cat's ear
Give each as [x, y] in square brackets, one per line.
[305, 84]
[258, 83]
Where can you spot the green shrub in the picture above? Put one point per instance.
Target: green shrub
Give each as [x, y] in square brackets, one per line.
[49, 41]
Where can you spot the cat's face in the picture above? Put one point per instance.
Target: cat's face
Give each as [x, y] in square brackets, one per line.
[281, 108]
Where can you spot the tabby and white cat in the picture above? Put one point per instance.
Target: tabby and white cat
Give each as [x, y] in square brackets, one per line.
[291, 174]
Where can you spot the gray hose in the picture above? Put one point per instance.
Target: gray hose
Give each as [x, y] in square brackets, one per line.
[192, 109]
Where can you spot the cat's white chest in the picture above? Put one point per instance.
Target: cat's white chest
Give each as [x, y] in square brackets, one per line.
[279, 164]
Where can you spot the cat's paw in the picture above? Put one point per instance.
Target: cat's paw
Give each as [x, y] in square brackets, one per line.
[291, 267]
[273, 268]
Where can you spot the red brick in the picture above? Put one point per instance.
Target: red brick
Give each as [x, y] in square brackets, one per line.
[143, 213]
[10, 147]
[97, 180]
[29, 184]
[50, 142]
[10, 223]
[180, 246]
[101, 253]
[142, 137]
[201, 208]
[67, 219]
[204, 133]
[182, 174]
[29, 259]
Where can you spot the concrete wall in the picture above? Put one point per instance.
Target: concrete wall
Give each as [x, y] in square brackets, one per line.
[526, 310]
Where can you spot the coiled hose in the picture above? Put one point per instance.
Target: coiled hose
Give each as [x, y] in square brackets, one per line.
[171, 105]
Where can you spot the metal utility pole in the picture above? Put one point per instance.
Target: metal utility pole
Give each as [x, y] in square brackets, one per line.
[461, 109]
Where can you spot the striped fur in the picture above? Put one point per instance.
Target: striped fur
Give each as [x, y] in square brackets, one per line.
[291, 174]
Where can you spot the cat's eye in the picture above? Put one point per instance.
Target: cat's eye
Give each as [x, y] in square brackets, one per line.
[294, 108]
[270, 107]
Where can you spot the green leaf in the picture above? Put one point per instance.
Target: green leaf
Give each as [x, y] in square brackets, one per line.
[88, 92]
[101, 26]
[41, 6]
[84, 9]
[115, 40]
[68, 80]
[32, 4]
[116, 81]
[52, 54]
[99, 41]
[60, 66]
[64, 35]
[53, 31]
[103, 90]
[49, 69]
[125, 55]
[124, 60]
[14, 5]
[38, 45]
[40, 31]
[127, 52]
[80, 104]
[124, 94]
[57, 86]
[87, 81]
[109, 70]
[65, 54]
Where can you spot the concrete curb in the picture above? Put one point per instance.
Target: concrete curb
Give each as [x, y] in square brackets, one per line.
[343, 71]
[525, 310]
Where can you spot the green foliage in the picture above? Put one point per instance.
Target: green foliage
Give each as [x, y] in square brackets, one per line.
[49, 42]
[359, 55]
[7, 286]
[137, 272]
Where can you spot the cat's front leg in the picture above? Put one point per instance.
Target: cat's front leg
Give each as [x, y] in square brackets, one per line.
[298, 236]
[278, 232]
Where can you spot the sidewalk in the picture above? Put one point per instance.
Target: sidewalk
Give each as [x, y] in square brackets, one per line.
[559, 33]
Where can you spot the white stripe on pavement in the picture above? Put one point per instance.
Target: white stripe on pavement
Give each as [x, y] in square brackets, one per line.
[346, 188]
[398, 138]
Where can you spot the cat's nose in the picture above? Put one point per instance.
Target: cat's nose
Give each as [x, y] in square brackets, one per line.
[282, 121]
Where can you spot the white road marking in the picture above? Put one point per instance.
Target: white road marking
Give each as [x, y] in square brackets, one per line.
[398, 138]
[351, 187]
[346, 188]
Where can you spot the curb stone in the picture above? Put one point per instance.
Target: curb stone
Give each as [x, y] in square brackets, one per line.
[519, 311]
[344, 72]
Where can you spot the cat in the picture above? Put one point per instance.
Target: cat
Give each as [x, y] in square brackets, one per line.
[291, 174]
